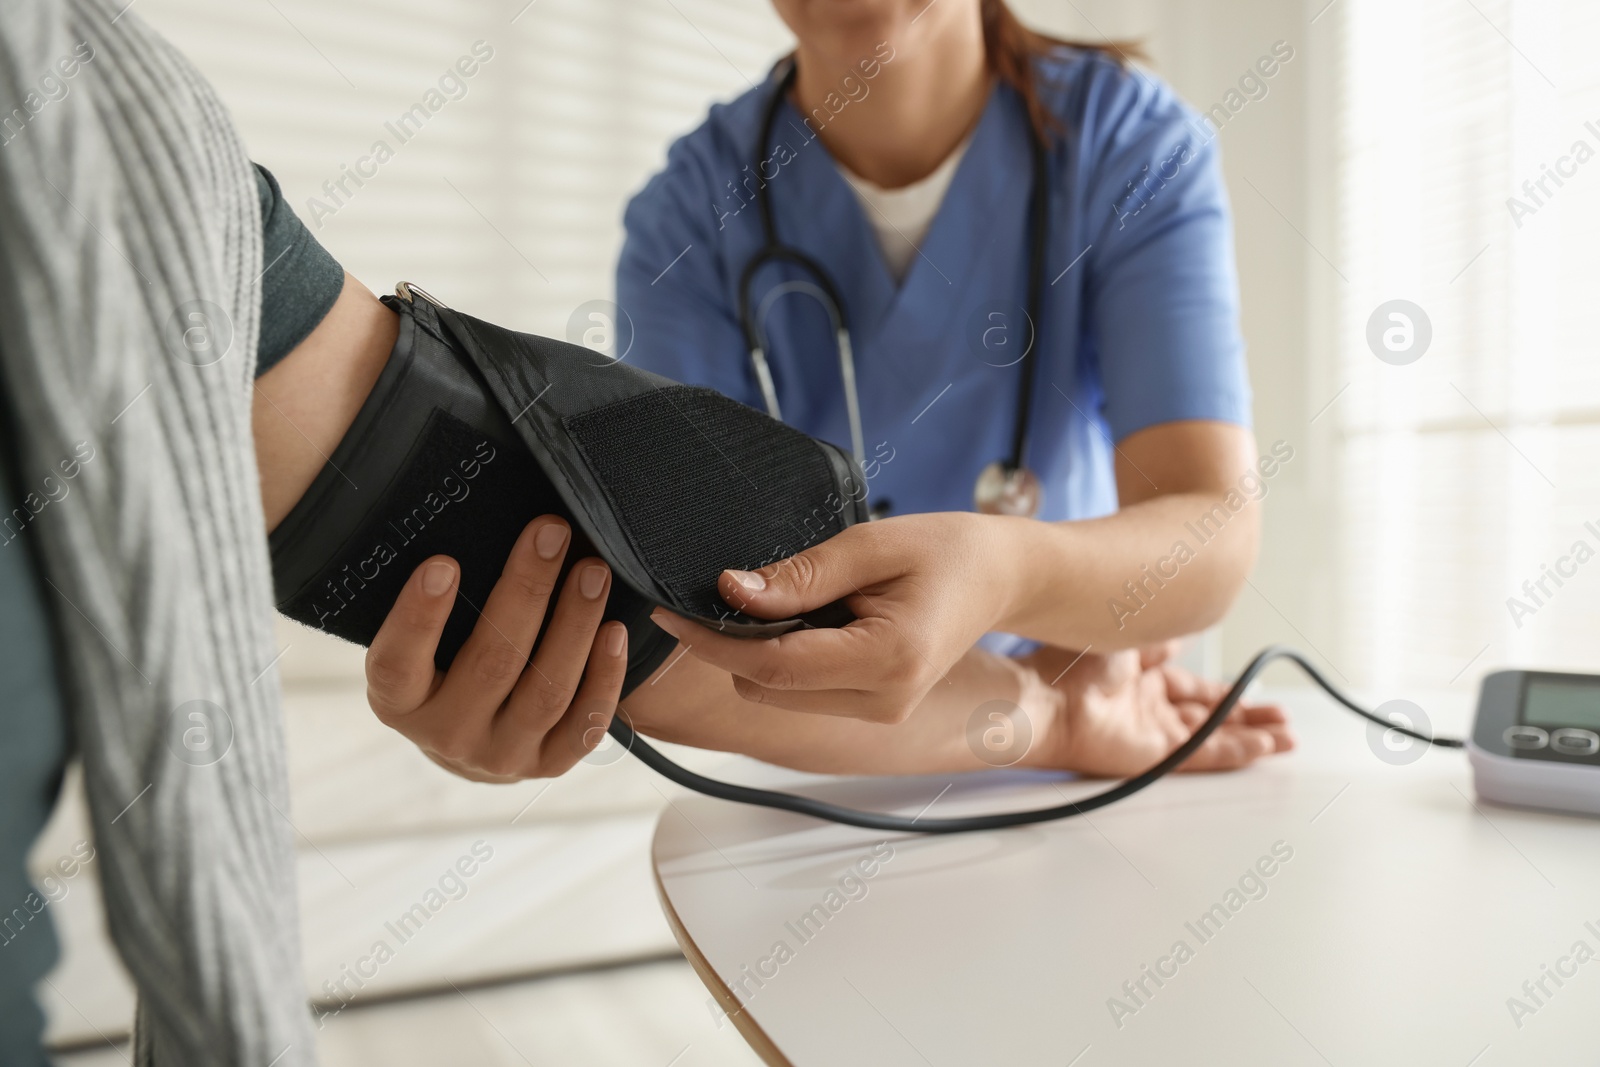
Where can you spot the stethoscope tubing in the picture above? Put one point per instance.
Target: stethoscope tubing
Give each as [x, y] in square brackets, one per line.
[822, 288]
[624, 735]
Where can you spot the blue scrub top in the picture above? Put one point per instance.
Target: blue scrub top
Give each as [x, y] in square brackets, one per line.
[1139, 313]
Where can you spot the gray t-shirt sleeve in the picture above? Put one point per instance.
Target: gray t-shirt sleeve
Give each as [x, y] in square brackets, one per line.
[299, 282]
[298, 287]
[34, 741]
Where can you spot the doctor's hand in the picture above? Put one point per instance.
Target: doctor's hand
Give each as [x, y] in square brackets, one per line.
[498, 716]
[1123, 712]
[921, 588]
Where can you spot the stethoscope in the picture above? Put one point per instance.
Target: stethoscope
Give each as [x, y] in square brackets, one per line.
[1006, 486]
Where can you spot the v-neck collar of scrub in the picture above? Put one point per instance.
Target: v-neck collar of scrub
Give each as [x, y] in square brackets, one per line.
[985, 184]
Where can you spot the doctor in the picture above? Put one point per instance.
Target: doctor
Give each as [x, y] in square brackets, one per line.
[1000, 269]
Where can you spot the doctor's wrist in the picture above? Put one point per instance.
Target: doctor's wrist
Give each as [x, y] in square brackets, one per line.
[1027, 570]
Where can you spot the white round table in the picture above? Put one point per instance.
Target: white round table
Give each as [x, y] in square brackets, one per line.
[1327, 907]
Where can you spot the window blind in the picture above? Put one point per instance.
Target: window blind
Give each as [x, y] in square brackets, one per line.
[1467, 181]
[507, 197]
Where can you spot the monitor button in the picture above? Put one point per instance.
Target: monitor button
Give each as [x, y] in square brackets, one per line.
[1573, 742]
[1526, 737]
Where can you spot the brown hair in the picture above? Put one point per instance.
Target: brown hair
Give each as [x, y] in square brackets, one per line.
[1012, 50]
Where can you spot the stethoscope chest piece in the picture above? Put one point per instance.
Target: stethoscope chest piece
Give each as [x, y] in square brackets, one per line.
[1006, 490]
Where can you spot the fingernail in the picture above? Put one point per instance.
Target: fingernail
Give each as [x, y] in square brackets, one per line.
[592, 581]
[616, 636]
[749, 581]
[664, 619]
[436, 579]
[550, 540]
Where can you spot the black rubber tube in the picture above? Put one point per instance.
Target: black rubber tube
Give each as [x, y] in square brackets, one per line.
[873, 820]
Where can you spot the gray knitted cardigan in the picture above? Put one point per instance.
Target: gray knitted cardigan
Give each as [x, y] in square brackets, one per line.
[123, 203]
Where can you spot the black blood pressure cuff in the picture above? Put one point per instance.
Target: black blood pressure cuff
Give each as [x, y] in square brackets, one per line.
[472, 431]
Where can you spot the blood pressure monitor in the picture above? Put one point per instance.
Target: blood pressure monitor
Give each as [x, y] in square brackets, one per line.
[1536, 741]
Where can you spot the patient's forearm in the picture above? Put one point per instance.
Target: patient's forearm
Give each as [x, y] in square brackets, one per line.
[304, 405]
[689, 702]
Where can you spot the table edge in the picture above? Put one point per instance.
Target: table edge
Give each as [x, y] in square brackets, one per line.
[748, 1028]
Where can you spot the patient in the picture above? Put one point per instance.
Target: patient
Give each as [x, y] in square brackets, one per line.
[498, 716]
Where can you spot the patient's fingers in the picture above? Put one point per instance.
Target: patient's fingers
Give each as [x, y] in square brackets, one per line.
[1192, 714]
[1282, 736]
[1231, 747]
[1186, 685]
[1268, 717]
[1259, 714]
[1236, 743]
[400, 671]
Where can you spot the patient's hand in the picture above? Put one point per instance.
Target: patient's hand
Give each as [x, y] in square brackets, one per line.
[1122, 712]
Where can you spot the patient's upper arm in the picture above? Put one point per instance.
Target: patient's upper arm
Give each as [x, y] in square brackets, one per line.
[303, 405]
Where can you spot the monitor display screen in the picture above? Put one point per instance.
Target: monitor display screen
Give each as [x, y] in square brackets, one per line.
[1556, 702]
